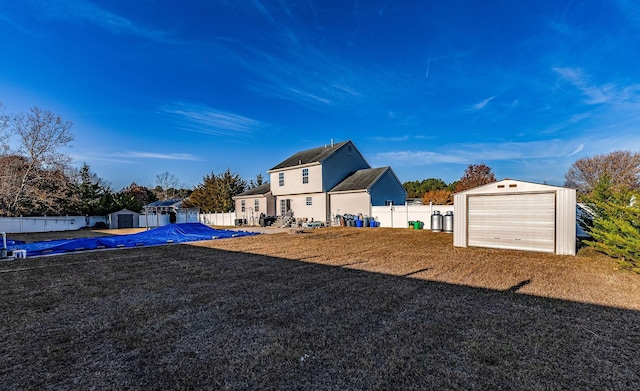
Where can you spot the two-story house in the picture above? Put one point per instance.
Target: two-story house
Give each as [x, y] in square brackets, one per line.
[321, 183]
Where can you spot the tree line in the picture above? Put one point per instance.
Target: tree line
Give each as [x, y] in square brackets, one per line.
[36, 178]
[438, 192]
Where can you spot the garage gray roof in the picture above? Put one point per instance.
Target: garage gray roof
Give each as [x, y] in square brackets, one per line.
[175, 202]
[258, 190]
[315, 155]
[361, 179]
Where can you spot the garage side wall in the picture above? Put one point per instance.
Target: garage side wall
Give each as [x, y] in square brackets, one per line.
[566, 222]
[460, 220]
[350, 203]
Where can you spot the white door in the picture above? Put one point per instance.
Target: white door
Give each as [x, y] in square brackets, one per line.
[512, 221]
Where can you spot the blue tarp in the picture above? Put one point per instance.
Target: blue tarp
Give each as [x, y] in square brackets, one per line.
[172, 233]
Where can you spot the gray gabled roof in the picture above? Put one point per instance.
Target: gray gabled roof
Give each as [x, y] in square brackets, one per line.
[258, 190]
[176, 202]
[315, 155]
[360, 180]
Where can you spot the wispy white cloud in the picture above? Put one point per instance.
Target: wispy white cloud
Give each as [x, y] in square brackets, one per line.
[263, 10]
[481, 105]
[105, 19]
[290, 66]
[16, 25]
[577, 150]
[203, 119]
[156, 155]
[596, 94]
[391, 139]
[480, 152]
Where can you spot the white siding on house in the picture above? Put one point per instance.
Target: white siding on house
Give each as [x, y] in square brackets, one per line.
[293, 183]
[266, 205]
[301, 210]
[350, 203]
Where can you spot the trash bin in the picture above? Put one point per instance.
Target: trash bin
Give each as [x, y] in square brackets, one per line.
[359, 223]
[416, 225]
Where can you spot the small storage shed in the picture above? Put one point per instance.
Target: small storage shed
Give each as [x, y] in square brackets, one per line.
[517, 215]
[124, 219]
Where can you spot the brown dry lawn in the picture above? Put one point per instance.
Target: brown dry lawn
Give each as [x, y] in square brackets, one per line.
[589, 277]
[338, 308]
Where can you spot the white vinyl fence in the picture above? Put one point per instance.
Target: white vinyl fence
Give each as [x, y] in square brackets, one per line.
[48, 223]
[219, 219]
[159, 220]
[399, 216]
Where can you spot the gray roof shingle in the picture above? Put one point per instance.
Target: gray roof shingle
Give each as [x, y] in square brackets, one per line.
[314, 155]
[361, 179]
[258, 190]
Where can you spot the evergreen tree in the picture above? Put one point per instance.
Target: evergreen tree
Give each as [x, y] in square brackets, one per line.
[91, 193]
[616, 224]
[134, 197]
[258, 181]
[417, 189]
[216, 192]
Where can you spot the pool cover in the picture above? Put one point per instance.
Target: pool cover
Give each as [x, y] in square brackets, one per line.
[172, 233]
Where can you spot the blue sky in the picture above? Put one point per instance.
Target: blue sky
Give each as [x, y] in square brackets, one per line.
[426, 87]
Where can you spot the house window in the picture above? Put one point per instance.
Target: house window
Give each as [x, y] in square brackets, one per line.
[242, 206]
[256, 205]
[309, 201]
[388, 203]
[305, 175]
[281, 179]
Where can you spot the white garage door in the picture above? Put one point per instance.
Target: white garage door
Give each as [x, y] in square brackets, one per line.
[513, 221]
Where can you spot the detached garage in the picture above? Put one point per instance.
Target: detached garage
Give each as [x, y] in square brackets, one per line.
[516, 215]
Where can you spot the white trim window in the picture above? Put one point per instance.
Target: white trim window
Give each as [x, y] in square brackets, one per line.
[256, 205]
[242, 206]
[309, 201]
[281, 179]
[305, 175]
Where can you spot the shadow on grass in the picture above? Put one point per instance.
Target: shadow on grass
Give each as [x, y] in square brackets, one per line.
[517, 287]
[186, 317]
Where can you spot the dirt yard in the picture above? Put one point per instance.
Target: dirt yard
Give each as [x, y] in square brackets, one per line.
[338, 308]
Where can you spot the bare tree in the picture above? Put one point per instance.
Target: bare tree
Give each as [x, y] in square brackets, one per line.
[622, 168]
[5, 135]
[168, 183]
[40, 135]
